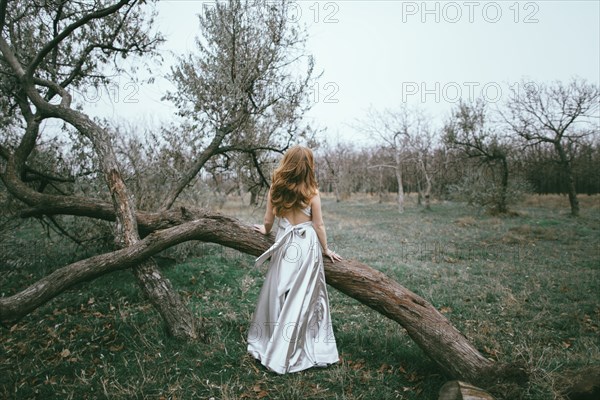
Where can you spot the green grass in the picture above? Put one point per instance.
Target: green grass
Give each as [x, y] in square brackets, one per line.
[521, 288]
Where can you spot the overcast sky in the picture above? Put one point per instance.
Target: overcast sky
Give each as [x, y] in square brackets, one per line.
[380, 54]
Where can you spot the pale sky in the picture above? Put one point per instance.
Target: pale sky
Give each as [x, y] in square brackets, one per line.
[380, 54]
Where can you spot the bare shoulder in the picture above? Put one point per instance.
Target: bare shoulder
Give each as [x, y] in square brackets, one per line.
[316, 199]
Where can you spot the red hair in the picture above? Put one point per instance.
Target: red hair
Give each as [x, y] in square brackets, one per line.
[293, 182]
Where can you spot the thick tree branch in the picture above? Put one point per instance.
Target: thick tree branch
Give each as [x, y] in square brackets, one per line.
[10, 58]
[33, 174]
[55, 87]
[263, 179]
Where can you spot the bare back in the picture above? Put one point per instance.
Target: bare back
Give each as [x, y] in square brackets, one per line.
[299, 215]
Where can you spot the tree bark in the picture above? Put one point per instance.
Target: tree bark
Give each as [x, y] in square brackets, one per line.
[178, 318]
[432, 332]
[398, 171]
[502, 206]
[572, 191]
[427, 194]
[380, 188]
[457, 390]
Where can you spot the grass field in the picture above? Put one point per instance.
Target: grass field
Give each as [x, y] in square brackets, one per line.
[521, 288]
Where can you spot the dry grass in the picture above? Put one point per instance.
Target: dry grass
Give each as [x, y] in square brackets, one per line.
[526, 233]
[465, 221]
[557, 201]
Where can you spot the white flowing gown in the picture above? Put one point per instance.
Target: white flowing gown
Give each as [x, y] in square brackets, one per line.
[291, 328]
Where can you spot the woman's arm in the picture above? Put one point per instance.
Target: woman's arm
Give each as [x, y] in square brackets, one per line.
[269, 217]
[319, 226]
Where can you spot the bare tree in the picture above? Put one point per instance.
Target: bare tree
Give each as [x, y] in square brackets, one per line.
[422, 145]
[333, 167]
[395, 128]
[64, 56]
[469, 131]
[240, 92]
[558, 114]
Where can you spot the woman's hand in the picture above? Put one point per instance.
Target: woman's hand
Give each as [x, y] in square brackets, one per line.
[261, 229]
[332, 255]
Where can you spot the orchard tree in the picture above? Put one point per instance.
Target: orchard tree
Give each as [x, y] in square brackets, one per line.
[340, 169]
[558, 114]
[423, 147]
[239, 92]
[47, 51]
[396, 129]
[468, 130]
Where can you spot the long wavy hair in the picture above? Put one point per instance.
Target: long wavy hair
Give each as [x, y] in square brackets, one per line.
[293, 183]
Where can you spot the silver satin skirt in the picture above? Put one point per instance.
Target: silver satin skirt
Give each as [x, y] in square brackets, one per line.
[291, 327]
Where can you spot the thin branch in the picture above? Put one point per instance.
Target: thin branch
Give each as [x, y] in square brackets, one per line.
[47, 176]
[59, 229]
[67, 31]
[259, 169]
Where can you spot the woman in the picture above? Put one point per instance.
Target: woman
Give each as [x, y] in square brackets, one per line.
[291, 327]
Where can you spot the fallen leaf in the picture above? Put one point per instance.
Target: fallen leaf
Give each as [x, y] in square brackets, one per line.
[50, 381]
[65, 353]
[384, 367]
[115, 348]
[413, 377]
[491, 352]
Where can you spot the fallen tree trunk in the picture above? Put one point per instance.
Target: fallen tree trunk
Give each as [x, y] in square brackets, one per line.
[432, 332]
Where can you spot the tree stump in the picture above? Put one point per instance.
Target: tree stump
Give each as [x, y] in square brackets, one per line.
[457, 390]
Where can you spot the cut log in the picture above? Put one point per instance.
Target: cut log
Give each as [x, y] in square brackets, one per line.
[457, 390]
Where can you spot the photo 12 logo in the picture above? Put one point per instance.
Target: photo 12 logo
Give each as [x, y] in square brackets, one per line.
[317, 91]
[113, 92]
[470, 11]
[453, 92]
[324, 12]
